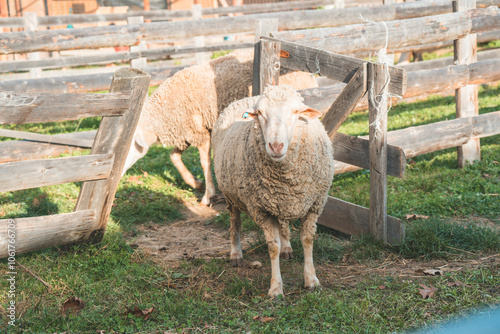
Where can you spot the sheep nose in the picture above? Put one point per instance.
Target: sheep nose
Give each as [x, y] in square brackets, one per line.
[276, 147]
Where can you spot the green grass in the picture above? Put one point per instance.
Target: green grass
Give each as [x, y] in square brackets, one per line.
[368, 287]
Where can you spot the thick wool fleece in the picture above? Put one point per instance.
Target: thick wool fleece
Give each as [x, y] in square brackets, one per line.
[254, 183]
[184, 108]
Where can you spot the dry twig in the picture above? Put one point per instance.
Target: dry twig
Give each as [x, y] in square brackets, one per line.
[35, 276]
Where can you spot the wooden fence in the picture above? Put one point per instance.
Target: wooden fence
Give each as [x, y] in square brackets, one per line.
[361, 77]
[463, 132]
[162, 32]
[297, 51]
[100, 171]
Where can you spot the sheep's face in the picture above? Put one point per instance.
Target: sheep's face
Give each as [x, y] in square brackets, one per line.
[278, 111]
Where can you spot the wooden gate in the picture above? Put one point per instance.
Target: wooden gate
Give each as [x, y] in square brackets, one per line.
[374, 154]
[100, 171]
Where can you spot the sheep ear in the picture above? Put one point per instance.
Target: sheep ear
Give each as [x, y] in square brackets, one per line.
[309, 113]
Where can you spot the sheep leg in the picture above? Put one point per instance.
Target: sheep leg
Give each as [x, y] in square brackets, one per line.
[234, 231]
[286, 251]
[176, 158]
[272, 233]
[207, 170]
[307, 232]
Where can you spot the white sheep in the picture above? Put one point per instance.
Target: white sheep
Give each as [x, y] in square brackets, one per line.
[274, 160]
[184, 108]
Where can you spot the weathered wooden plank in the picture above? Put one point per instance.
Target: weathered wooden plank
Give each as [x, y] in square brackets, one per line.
[444, 80]
[337, 17]
[482, 37]
[46, 231]
[448, 61]
[402, 33]
[71, 141]
[23, 108]
[18, 65]
[114, 136]
[264, 28]
[332, 65]
[175, 14]
[45, 172]
[269, 64]
[18, 150]
[81, 83]
[465, 52]
[355, 220]
[485, 125]
[97, 37]
[356, 151]
[321, 98]
[418, 140]
[345, 102]
[377, 106]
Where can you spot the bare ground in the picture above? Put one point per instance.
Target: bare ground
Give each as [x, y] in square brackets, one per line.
[192, 238]
[188, 238]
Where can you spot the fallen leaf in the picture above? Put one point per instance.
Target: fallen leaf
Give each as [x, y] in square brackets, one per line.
[263, 319]
[427, 292]
[135, 179]
[415, 216]
[457, 283]
[144, 314]
[146, 174]
[72, 305]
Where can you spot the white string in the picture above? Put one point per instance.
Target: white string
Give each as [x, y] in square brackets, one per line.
[10, 100]
[380, 101]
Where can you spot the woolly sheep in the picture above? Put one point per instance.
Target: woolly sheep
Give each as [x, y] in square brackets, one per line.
[274, 160]
[184, 108]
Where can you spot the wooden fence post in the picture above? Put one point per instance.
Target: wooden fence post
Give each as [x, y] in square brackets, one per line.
[114, 136]
[32, 25]
[199, 41]
[465, 53]
[139, 63]
[264, 28]
[378, 149]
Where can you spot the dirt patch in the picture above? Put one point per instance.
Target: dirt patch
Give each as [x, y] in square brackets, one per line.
[188, 238]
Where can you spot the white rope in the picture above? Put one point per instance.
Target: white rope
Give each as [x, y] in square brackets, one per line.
[380, 101]
[8, 99]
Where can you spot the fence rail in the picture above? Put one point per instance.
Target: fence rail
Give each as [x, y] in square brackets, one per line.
[99, 171]
[165, 15]
[111, 36]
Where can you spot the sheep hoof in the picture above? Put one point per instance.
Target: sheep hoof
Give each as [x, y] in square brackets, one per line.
[205, 201]
[237, 262]
[199, 185]
[276, 292]
[314, 285]
[287, 254]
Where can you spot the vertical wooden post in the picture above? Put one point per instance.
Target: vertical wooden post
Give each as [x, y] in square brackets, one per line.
[139, 63]
[389, 57]
[199, 41]
[115, 136]
[377, 105]
[465, 50]
[32, 25]
[264, 28]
